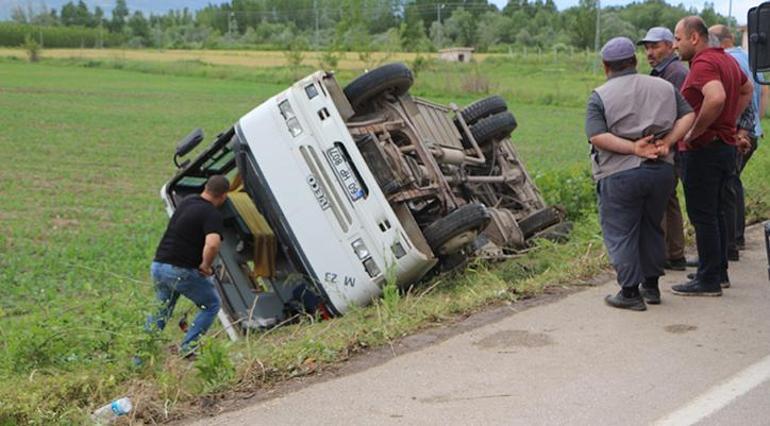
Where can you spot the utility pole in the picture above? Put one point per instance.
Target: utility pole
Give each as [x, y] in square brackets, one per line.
[230, 25]
[440, 6]
[598, 32]
[315, 12]
[730, 13]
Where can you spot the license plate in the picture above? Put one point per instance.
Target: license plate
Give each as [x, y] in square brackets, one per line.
[345, 174]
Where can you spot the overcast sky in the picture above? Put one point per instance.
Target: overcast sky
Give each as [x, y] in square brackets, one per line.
[740, 7]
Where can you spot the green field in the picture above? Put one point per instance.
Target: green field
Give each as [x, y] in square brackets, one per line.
[86, 147]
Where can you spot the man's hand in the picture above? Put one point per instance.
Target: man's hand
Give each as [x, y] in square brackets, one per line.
[205, 270]
[645, 148]
[663, 148]
[743, 141]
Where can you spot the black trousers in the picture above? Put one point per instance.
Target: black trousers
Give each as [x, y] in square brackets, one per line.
[706, 173]
[631, 207]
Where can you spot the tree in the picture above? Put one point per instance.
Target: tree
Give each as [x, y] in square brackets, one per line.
[69, 14]
[119, 14]
[582, 23]
[139, 27]
[461, 28]
[412, 31]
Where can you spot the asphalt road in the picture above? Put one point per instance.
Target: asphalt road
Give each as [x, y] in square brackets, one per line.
[692, 360]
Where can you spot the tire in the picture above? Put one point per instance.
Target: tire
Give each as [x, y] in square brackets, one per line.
[539, 220]
[494, 127]
[470, 217]
[395, 79]
[558, 233]
[483, 108]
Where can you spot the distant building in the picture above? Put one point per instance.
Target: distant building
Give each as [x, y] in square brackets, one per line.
[456, 54]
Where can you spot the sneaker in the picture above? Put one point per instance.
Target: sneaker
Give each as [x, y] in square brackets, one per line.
[676, 264]
[733, 255]
[724, 283]
[650, 295]
[695, 288]
[692, 263]
[740, 244]
[622, 302]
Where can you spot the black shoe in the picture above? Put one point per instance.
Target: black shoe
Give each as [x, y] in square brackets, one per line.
[695, 288]
[692, 263]
[676, 264]
[650, 295]
[733, 256]
[725, 283]
[740, 245]
[623, 302]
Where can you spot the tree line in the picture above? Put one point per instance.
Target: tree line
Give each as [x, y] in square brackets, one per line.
[345, 25]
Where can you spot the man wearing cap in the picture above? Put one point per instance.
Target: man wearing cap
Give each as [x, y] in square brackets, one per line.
[631, 122]
[718, 91]
[749, 129]
[659, 46]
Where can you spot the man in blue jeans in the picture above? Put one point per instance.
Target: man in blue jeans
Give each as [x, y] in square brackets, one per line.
[182, 264]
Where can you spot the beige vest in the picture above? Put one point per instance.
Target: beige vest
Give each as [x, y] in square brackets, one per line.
[635, 105]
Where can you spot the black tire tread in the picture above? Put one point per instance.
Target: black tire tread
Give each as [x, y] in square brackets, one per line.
[539, 220]
[464, 218]
[395, 78]
[496, 126]
[483, 108]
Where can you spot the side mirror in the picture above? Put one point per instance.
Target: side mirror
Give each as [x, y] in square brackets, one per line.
[759, 39]
[189, 142]
[186, 145]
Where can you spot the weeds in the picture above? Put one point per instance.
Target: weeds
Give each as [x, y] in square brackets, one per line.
[214, 366]
[32, 47]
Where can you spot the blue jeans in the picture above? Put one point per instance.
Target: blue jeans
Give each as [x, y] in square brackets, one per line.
[707, 174]
[170, 282]
[631, 207]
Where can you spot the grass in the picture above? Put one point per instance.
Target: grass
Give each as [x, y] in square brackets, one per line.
[86, 145]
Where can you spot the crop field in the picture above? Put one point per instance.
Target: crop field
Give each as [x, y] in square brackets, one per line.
[86, 144]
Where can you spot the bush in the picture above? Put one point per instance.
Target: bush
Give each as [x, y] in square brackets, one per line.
[13, 35]
[571, 188]
[32, 47]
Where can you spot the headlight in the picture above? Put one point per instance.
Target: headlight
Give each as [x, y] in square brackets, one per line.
[286, 110]
[371, 267]
[294, 128]
[398, 250]
[360, 248]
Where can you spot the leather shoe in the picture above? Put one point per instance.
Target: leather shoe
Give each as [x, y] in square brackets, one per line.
[676, 264]
[733, 255]
[696, 288]
[622, 302]
[650, 295]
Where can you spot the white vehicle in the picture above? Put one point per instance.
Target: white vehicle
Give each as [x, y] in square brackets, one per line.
[334, 201]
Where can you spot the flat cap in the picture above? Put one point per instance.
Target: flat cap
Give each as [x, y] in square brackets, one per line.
[656, 34]
[618, 48]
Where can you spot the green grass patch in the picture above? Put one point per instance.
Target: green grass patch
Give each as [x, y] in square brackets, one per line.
[86, 147]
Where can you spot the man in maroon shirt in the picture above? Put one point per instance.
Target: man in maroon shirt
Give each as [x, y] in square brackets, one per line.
[718, 91]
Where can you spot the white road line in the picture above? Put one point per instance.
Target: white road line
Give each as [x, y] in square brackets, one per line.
[719, 396]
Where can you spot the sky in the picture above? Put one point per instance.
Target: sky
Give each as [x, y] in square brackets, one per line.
[739, 7]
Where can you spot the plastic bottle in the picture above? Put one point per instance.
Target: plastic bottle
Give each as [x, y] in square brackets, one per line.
[108, 413]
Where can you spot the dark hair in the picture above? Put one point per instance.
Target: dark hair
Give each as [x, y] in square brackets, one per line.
[696, 24]
[622, 64]
[217, 185]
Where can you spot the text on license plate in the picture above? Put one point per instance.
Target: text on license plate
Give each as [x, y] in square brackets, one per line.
[344, 174]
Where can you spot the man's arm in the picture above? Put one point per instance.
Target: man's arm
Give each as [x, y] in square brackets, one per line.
[681, 126]
[640, 147]
[713, 102]
[744, 97]
[210, 250]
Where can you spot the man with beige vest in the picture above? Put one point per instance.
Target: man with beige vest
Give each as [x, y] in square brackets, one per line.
[632, 121]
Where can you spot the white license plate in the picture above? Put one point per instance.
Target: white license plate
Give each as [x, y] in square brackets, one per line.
[345, 174]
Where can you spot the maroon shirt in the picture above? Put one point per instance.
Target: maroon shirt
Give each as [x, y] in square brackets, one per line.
[709, 65]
